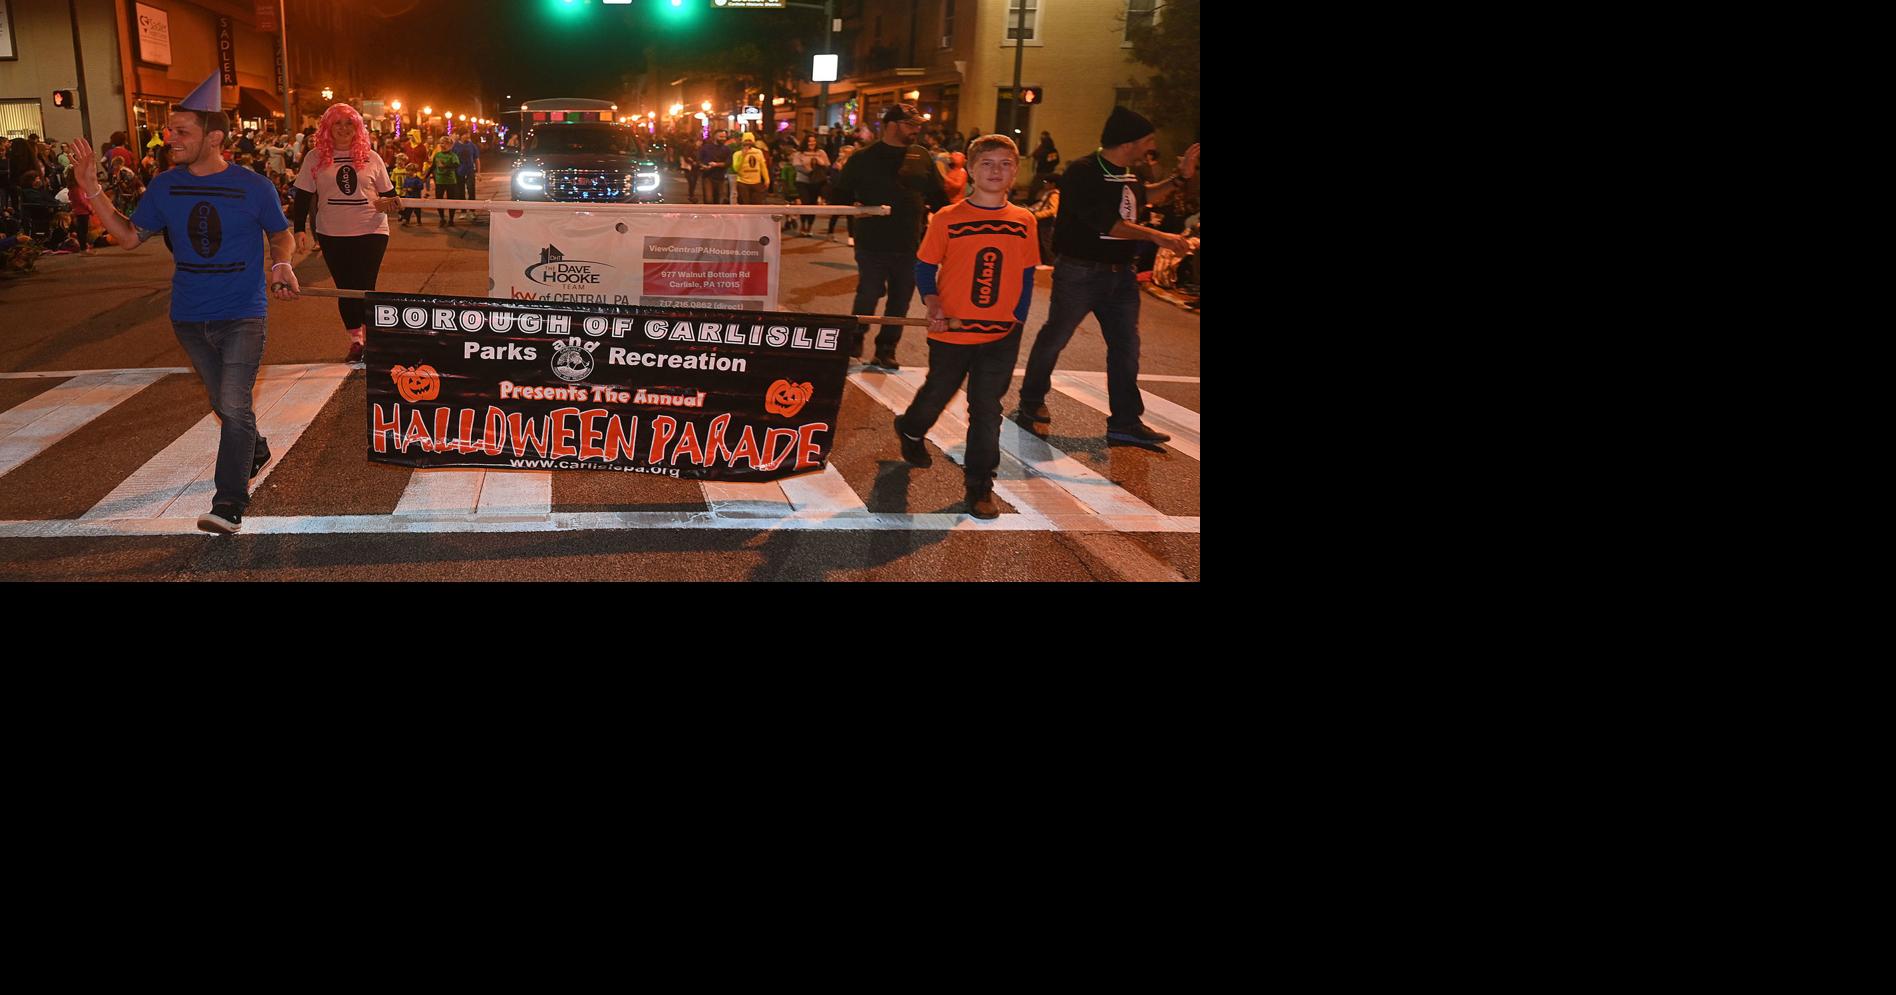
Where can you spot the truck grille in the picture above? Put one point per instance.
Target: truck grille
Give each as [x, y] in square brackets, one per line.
[588, 184]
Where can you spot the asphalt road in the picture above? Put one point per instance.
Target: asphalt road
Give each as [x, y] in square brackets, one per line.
[81, 506]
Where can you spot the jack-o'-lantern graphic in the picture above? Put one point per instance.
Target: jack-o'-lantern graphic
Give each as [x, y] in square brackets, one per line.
[420, 383]
[786, 398]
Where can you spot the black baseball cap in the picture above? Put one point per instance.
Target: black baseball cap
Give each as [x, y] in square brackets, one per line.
[903, 112]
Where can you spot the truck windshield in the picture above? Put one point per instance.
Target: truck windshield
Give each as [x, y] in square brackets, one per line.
[580, 140]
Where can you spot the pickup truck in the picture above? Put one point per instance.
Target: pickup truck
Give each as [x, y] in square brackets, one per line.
[584, 161]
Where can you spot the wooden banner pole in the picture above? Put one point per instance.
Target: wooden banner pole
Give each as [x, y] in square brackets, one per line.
[865, 319]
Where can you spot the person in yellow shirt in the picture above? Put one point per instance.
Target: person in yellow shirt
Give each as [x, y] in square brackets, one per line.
[749, 166]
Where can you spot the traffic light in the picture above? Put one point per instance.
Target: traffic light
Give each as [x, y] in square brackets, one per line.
[1030, 94]
[63, 99]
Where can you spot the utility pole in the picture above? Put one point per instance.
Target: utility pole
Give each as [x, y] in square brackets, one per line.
[79, 63]
[829, 31]
[290, 122]
[1020, 49]
[823, 91]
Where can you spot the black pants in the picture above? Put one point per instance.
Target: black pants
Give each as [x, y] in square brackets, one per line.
[691, 185]
[989, 370]
[877, 273]
[446, 191]
[807, 194]
[712, 180]
[80, 225]
[354, 261]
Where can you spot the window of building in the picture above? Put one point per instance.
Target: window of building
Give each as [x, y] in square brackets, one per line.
[1140, 16]
[20, 118]
[1019, 29]
[948, 24]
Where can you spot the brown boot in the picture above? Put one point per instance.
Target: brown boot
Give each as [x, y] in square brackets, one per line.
[982, 504]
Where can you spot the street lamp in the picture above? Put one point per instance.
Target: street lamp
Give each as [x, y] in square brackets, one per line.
[328, 94]
[705, 107]
[395, 105]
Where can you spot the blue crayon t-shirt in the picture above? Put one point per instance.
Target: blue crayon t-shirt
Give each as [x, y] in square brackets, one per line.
[216, 227]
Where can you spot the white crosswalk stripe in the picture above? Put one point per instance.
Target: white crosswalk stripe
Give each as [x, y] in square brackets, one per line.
[28, 429]
[1049, 489]
[1175, 420]
[183, 476]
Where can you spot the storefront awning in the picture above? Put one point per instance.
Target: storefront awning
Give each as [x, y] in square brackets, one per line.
[252, 102]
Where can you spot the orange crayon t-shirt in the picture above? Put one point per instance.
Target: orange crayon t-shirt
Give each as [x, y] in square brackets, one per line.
[982, 254]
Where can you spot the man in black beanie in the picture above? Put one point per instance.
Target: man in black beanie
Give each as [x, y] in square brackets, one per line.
[1096, 235]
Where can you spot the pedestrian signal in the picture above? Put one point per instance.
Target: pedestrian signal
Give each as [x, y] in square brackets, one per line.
[1030, 95]
[63, 98]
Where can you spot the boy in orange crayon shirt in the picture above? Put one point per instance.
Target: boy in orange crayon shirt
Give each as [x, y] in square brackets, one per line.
[976, 266]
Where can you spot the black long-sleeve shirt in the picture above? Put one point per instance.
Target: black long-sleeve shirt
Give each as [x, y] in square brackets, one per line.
[905, 180]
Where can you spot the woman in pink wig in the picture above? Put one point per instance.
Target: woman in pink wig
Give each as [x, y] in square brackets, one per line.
[344, 190]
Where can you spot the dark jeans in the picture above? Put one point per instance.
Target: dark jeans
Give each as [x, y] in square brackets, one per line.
[989, 369]
[355, 261]
[806, 192]
[1111, 297]
[446, 191]
[884, 272]
[712, 180]
[226, 355]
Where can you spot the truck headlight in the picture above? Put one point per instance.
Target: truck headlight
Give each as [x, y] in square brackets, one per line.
[530, 179]
[647, 182]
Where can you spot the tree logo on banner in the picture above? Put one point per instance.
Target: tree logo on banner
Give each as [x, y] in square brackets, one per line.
[786, 398]
[418, 384]
[572, 361]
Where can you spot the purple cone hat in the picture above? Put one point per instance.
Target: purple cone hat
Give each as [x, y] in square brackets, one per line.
[209, 95]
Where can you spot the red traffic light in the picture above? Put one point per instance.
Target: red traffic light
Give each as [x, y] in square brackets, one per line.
[63, 98]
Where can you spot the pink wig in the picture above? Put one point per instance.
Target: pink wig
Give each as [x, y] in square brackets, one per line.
[326, 146]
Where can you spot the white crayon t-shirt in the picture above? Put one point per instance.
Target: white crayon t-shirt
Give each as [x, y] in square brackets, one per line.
[345, 194]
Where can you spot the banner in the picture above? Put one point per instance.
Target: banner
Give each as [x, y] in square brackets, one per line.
[226, 52]
[652, 260]
[278, 46]
[694, 394]
[266, 16]
[154, 35]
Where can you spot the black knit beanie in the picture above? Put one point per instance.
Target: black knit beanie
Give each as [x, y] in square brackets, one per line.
[1124, 126]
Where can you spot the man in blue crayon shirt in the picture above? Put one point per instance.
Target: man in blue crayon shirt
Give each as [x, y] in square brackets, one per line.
[215, 217]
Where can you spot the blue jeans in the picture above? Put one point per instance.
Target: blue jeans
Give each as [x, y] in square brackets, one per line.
[989, 368]
[1111, 297]
[226, 355]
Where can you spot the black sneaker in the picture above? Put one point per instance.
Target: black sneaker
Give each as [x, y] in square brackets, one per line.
[222, 518]
[1138, 434]
[885, 361]
[262, 457]
[915, 451]
[1033, 413]
[981, 503]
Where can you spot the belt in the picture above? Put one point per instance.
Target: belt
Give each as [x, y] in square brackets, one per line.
[1090, 264]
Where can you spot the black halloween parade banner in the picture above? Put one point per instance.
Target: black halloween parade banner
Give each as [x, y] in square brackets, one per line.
[706, 395]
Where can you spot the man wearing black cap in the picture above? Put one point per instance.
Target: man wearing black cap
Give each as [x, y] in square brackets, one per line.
[898, 173]
[1096, 235]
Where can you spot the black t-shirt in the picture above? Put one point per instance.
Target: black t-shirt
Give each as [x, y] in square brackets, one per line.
[1091, 201]
[902, 178]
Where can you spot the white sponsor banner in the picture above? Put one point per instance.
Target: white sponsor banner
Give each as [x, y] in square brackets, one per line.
[154, 35]
[656, 260]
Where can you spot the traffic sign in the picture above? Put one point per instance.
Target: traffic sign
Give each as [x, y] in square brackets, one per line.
[748, 3]
[63, 99]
